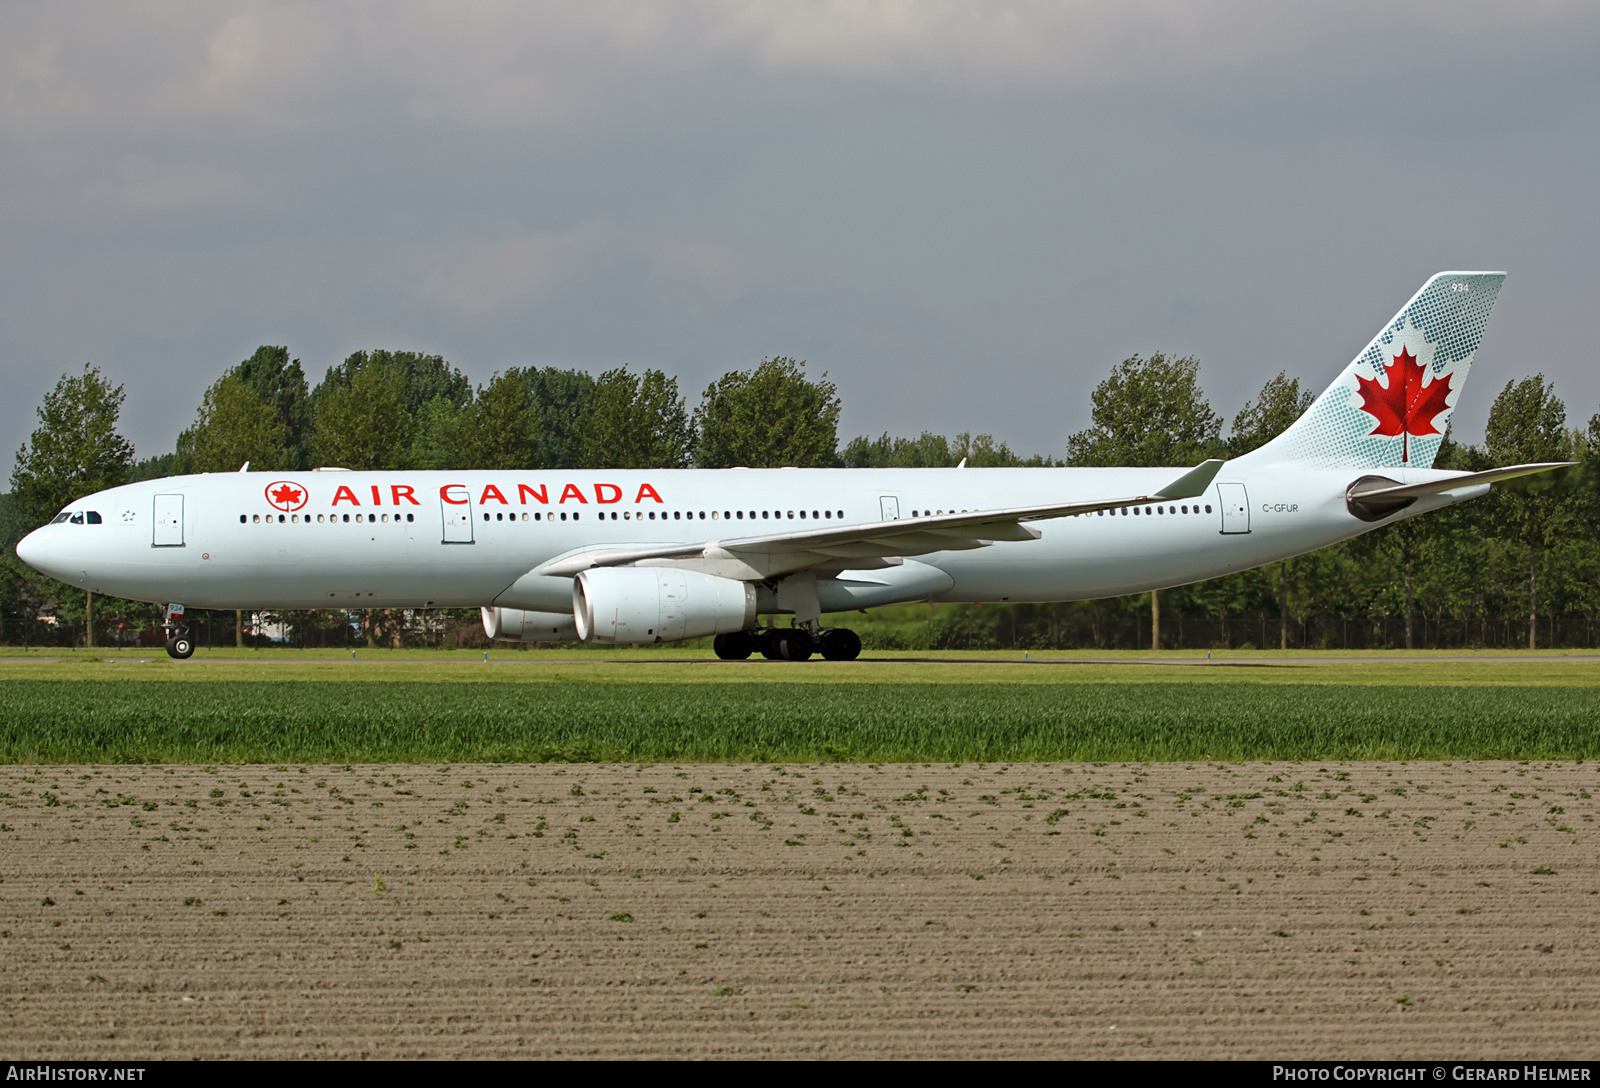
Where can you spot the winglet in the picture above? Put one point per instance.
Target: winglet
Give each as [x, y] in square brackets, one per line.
[1191, 483]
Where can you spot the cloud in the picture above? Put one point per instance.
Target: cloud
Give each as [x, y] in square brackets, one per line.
[492, 63]
[700, 271]
[499, 278]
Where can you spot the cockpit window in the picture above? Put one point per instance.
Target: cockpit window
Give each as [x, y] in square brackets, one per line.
[94, 517]
[77, 519]
[59, 518]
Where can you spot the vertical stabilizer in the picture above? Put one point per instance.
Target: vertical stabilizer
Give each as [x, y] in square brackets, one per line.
[1391, 406]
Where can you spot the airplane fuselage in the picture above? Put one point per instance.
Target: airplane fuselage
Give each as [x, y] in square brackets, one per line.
[460, 539]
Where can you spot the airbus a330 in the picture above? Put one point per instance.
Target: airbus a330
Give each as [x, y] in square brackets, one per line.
[620, 557]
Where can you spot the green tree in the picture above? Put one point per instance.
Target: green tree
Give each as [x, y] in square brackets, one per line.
[363, 424]
[636, 422]
[281, 384]
[366, 410]
[157, 467]
[236, 424]
[929, 450]
[1281, 402]
[501, 429]
[439, 436]
[768, 417]
[1148, 412]
[425, 377]
[562, 399]
[76, 450]
[1528, 423]
[984, 452]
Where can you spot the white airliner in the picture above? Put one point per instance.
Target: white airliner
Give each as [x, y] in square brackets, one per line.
[654, 556]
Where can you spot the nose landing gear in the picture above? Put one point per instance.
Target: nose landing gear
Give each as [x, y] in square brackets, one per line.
[179, 644]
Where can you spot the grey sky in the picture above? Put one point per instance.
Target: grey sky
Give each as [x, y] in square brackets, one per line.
[964, 212]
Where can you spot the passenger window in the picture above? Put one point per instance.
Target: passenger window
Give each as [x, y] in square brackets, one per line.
[347, 519]
[255, 519]
[713, 515]
[1208, 508]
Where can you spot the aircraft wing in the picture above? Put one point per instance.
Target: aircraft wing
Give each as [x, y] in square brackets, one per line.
[861, 544]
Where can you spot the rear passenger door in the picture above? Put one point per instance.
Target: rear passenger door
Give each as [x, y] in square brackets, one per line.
[1235, 508]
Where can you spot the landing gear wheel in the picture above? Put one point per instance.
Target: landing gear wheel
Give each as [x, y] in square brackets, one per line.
[735, 645]
[180, 647]
[767, 644]
[794, 644]
[840, 644]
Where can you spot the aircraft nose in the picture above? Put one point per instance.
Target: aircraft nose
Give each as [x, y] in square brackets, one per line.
[34, 550]
[29, 549]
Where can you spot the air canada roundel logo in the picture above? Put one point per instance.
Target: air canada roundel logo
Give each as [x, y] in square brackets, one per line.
[286, 496]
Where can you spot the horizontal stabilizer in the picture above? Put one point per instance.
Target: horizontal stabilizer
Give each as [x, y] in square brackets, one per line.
[1435, 487]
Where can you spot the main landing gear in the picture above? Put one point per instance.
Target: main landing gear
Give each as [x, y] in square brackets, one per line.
[789, 644]
[179, 644]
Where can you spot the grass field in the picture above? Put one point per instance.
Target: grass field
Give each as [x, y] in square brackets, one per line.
[276, 707]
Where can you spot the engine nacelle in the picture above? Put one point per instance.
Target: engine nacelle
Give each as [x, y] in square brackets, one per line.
[658, 604]
[515, 625]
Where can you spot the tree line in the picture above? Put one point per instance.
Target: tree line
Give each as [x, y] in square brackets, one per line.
[1516, 568]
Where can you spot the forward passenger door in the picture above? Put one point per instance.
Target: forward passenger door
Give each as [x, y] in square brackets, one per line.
[455, 506]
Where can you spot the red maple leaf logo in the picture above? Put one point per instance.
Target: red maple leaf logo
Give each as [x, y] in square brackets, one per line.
[1406, 407]
[286, 496]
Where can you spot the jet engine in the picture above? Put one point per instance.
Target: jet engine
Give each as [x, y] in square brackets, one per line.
[515, 625]
[658, 604]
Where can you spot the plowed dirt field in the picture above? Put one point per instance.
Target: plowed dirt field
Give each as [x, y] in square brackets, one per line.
[1378, 910]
